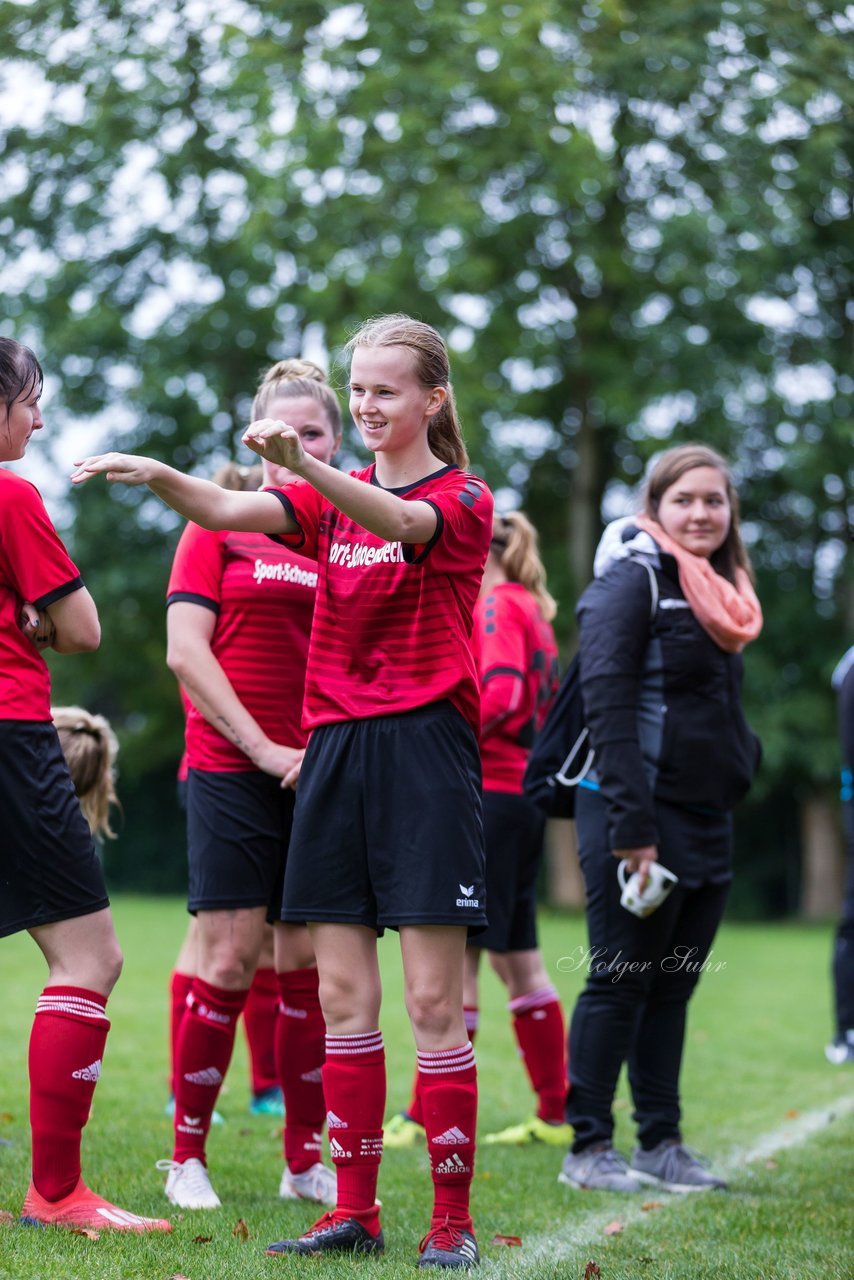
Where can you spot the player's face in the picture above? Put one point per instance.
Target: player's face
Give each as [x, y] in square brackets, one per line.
[696, 511]
[17, 424]
[308, 417]
[390, 405]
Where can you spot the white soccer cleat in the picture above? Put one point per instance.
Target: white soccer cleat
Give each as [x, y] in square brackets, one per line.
[188, 1185]
[318, 1183]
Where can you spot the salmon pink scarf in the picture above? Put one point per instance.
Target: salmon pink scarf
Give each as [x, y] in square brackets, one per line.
[732, 615]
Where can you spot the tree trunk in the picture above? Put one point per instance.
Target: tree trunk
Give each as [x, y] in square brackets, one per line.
[821, 858]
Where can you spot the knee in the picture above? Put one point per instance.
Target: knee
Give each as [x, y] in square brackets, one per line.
[432, 1011]
[228, 967]
[113, 964]
[349, 1006]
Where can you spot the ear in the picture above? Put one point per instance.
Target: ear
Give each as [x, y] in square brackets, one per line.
[437, 397]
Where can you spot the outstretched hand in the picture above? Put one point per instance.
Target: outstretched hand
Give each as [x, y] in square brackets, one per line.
[275, 441]
[124, 468]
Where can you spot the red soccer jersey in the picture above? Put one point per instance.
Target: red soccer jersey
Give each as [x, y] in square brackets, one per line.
[392, 628]
[34, 566]
[518, 664]
[263, 596]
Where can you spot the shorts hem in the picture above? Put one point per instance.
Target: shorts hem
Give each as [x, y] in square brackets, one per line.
[7, 930]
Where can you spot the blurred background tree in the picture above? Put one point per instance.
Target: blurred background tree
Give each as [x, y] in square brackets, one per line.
[633, 225]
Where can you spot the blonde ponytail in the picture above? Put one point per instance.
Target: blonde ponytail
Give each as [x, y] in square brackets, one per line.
[291, 380]
[90, 747]
[515, 545]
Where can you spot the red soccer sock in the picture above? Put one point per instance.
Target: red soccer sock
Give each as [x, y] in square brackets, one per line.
[449, 1092]
[354, 1084]
[415, 1110]
[205, 1044]
[66, 1047]
[260, 1014]
[179, 988]
[541, 1035]
[300, 1050]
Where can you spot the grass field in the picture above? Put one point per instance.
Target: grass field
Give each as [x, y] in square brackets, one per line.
[755, 1078]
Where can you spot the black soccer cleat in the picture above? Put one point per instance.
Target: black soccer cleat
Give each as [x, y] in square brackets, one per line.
[448, 1246]
[331, 1235]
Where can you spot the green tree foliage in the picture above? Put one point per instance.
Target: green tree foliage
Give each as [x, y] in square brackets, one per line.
[632, 224]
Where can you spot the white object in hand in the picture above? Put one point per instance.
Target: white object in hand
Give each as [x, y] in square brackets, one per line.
[659, 883]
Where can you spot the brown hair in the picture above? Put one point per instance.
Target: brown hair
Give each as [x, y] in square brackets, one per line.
[20, 372]
[669, 467]
[291, 379]
[90, 748]
[515, 545]
[432, 368]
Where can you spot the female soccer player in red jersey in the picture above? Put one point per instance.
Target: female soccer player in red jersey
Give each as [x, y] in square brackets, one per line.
[239, 619]
[517, 660]
[387, 830]
[51, 882]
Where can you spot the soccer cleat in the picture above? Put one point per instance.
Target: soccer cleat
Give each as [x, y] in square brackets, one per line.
[188, 1185]
[317, 1183]
[598, 1168]
[83, 1210]
[332, 1235]
[169, 1110]
[269, 1102]
[402, 1131]
[448, 1246]
[674, 1167]
[533, 1130]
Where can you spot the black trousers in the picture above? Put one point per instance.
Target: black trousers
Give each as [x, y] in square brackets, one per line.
[640, 974]
[843, 951]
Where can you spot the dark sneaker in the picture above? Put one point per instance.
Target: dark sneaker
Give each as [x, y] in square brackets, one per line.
[598, 1168]
[332, 1235]
[448, 1246]
[674, 1167]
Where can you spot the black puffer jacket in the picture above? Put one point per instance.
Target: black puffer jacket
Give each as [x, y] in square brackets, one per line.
[662, 701]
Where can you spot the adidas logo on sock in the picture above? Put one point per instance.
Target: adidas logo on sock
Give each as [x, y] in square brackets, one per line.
[209, 1076]
[292, 1013]
[312, 1077]
[451, 1138]
[335, 1122]
[453, 1164]
[92, 1072]
[337, 1152]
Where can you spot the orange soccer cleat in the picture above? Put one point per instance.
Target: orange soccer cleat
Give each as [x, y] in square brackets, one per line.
[83, 1209]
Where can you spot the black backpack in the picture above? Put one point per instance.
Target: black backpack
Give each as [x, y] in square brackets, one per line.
[561, 755]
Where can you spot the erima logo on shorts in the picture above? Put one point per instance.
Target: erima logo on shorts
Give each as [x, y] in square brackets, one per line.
[467, 900]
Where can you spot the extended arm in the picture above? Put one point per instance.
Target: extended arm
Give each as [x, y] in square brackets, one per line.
[199, 500]
[190, 629]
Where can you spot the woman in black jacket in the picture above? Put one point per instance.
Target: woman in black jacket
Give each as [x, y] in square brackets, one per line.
[661, 630]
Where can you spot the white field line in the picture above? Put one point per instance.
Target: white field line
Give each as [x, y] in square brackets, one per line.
[586, 1231]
